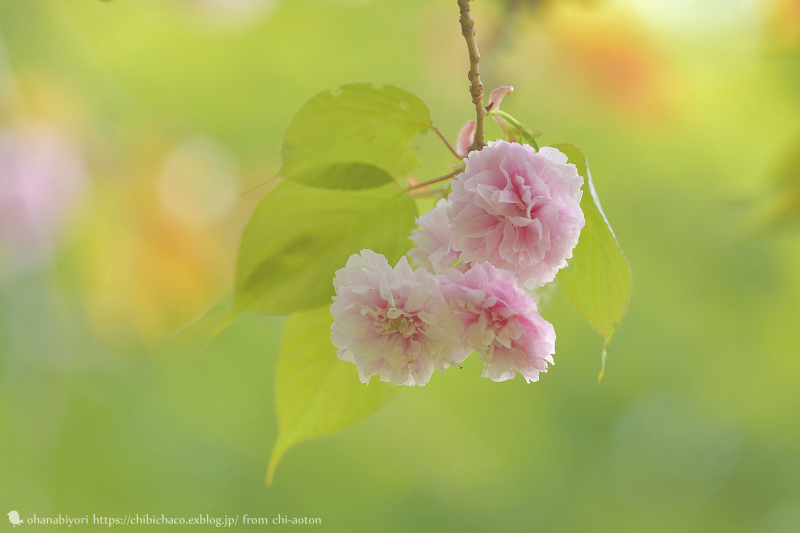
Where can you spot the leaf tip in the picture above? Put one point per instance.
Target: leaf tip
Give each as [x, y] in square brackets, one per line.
[219, 328]
[602, 366]
[275, 457]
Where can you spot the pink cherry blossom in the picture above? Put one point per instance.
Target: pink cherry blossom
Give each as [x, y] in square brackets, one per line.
[518, 210]
[393, 322]
[501, 322]
[434, 251]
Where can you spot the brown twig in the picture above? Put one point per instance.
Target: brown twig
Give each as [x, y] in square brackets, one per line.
[452, 174]
[476, 87]
[440, 192]
[445, 141]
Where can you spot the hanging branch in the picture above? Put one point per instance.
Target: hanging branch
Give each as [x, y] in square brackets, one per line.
[476, 87]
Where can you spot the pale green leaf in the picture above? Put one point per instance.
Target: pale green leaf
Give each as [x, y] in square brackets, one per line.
[598, 279]
[354, 137]
[298, 237]
[316, 393]
[345, 176]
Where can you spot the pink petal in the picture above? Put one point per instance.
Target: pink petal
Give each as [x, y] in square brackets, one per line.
[465, 138]
[497, 95]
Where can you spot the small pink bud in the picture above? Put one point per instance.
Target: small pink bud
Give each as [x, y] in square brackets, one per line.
[497, 95]
[465, 138]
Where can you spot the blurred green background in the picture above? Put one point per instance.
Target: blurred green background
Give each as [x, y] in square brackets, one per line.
[132, 133]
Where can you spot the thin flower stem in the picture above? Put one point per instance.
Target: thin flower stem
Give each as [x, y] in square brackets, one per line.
[254, 187]
[528, 134]
[445, 141]
[441, 191]
[452, 174]
[476, 87]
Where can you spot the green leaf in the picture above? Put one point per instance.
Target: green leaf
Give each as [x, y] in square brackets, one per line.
[298, 237]
[355, 137]
[598, 279]
[346, 176]
[316, 393]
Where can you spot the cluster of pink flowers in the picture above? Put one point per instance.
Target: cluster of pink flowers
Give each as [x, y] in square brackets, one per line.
[510, 223]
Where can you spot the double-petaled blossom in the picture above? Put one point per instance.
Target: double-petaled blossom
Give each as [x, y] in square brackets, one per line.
[501, 322]
[393, 322]
[512, 220]
[517, 209]
[434, 251]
